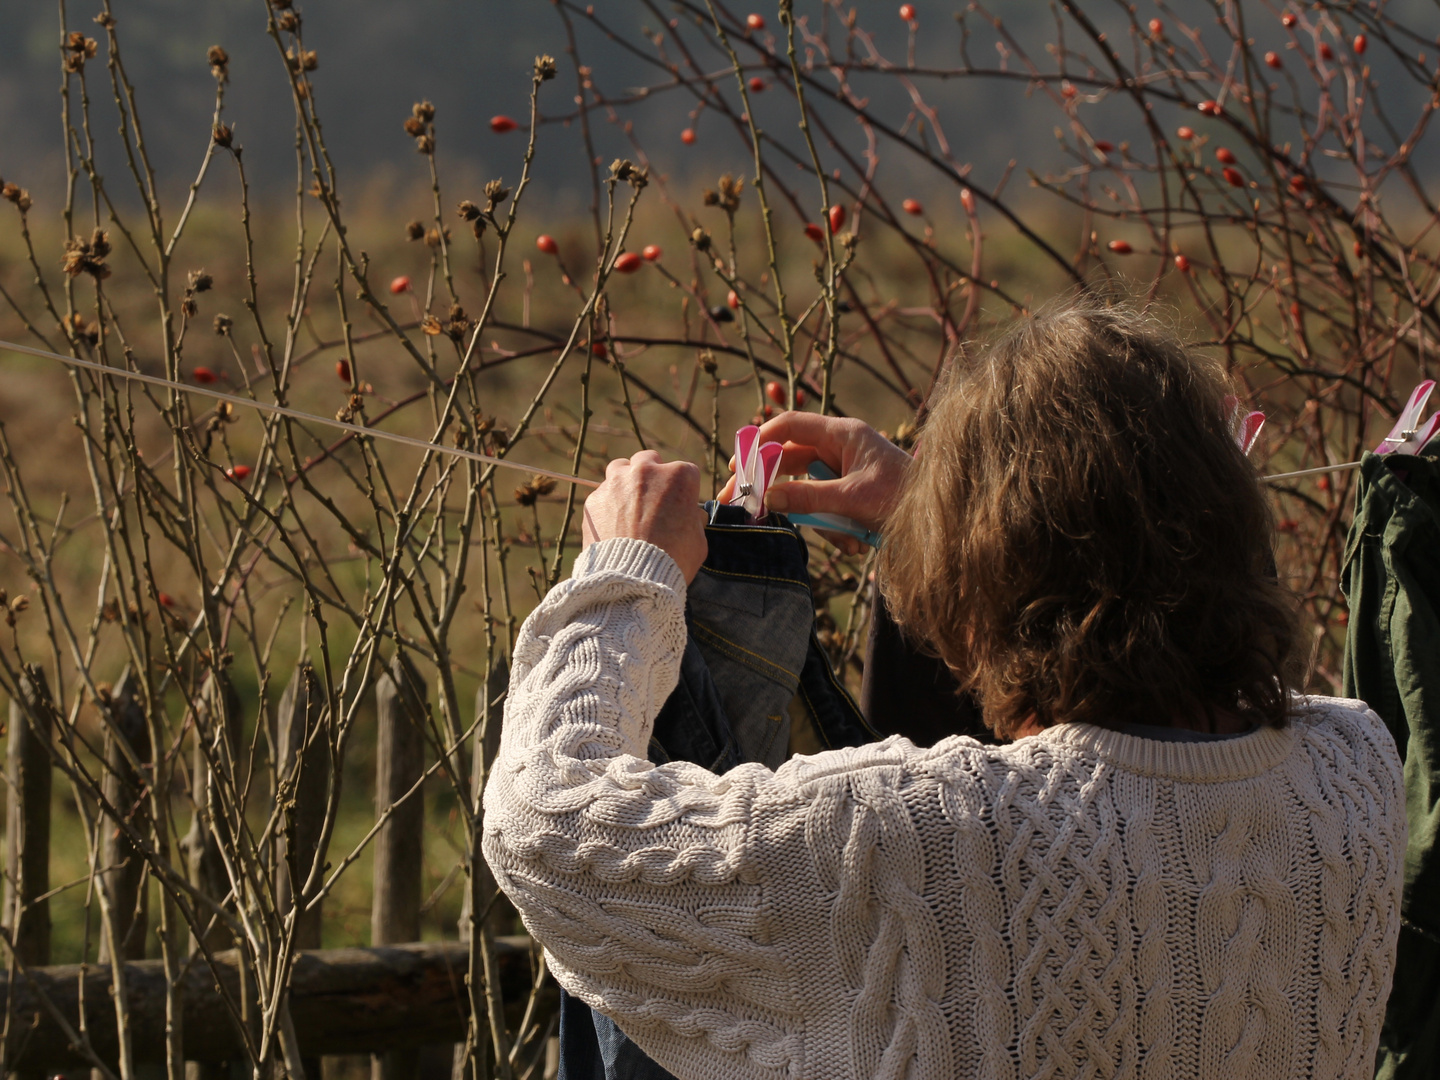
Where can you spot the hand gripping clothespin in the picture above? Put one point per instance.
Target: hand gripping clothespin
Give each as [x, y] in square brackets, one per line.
[756, 467]
[1409, 435]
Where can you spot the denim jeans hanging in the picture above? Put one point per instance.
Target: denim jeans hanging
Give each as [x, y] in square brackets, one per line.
[754, 685]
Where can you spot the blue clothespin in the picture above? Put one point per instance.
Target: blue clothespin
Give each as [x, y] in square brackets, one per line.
[834, 522]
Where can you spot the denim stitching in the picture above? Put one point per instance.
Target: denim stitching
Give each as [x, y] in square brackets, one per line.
[724, 644]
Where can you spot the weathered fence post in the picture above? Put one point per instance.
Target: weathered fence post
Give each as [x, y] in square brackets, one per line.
[399, 763]
[303, 778]
[127, 740]
[482, 979]
[209, 828]
[27, 830]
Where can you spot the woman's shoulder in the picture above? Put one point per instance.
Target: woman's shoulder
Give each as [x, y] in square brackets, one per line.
[1348, 720]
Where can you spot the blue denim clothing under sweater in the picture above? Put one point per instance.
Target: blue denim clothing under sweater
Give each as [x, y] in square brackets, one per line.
[753, 675]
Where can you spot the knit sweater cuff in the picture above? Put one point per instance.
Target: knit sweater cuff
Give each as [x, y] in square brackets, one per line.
[630, 558]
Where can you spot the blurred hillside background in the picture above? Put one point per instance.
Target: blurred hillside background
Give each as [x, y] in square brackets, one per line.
[472, 59]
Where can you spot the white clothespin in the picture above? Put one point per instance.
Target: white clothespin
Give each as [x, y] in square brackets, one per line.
[1409, 435]
[756, 467]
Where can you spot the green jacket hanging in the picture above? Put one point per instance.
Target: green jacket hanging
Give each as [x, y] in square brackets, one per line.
[1392, 660]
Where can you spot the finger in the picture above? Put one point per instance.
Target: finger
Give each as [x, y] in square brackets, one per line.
[809, 497]
[688, 474]
[727, 492]
[645, 457]
[795, 459]
[616, 467]
[827, 434]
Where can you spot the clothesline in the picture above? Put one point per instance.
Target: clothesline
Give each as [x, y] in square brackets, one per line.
[407, 440]
[297, 414]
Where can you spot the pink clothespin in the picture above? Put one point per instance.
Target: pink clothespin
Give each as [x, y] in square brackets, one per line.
[1249, 430]
[1409, 435]
[756, 467]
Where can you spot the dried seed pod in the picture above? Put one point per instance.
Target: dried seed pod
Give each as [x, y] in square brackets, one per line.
[495, 193]
[219, 62]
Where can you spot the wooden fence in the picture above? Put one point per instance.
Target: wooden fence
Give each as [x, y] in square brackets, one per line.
[388, 1000]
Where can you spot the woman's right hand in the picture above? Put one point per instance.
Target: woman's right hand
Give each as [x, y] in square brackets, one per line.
[871, 468]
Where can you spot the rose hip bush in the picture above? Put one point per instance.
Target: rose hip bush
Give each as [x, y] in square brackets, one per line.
[1256, 171]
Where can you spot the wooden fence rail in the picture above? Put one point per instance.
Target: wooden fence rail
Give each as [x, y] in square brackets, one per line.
[344, 1001]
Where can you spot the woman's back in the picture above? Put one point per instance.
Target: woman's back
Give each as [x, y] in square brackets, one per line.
[1089, 903]
[1079, 903]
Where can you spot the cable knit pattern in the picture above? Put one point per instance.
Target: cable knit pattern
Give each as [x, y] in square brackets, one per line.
[1079, 904]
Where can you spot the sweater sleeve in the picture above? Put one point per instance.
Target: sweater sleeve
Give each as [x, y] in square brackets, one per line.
[639, 880]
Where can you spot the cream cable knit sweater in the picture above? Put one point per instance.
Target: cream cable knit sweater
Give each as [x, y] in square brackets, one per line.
[1081, 903]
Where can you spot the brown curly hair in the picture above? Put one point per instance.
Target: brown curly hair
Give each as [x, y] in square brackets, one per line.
[1081, 538]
